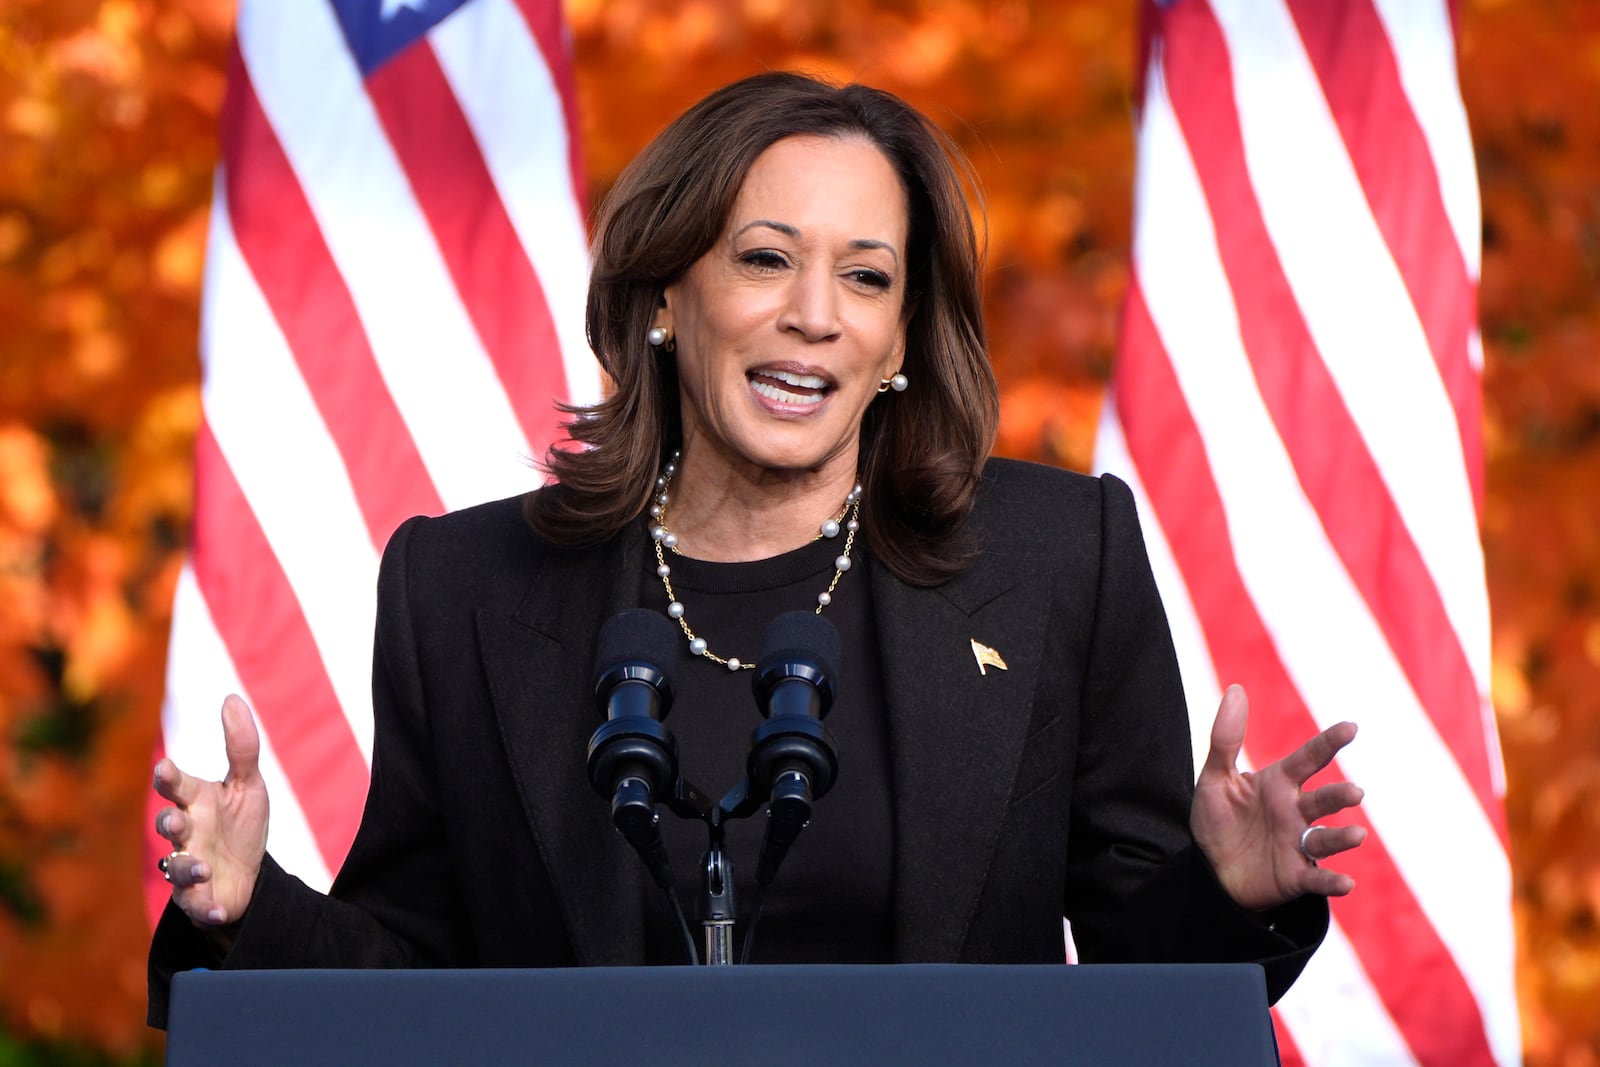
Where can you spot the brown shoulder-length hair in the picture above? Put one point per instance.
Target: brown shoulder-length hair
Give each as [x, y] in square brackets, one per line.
[922, 450]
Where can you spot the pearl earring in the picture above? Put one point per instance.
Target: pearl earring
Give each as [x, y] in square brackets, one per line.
[657, 336]
[898, 383]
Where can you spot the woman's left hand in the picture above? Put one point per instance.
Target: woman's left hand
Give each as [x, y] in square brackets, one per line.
[1250, 825]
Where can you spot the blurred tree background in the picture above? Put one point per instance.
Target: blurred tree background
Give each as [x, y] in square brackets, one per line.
[108, 113]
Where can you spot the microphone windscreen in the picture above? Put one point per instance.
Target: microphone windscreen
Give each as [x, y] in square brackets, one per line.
[801, 635]
[637, 634]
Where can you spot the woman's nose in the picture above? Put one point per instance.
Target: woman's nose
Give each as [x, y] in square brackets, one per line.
[812, 308]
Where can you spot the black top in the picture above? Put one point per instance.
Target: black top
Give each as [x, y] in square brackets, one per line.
[830, 902]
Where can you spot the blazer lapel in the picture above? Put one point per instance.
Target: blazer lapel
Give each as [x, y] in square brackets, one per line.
[956, 735]
[537, 661]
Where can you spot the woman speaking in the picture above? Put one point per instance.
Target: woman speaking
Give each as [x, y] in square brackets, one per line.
[785, 296]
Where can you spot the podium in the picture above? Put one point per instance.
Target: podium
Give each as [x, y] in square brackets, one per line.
[769, 1015]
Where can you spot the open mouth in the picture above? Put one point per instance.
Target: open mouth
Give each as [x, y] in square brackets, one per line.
[787, 387]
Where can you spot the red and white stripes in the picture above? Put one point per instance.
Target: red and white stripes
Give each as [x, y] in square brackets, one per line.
[1297, 407]
[393, 301]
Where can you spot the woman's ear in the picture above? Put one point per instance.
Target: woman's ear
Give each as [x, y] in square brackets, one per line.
[897, 358]
[660, 334]
[663, 317]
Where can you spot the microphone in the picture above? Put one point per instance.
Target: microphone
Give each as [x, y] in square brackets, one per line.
[793, 758]
[632, 756]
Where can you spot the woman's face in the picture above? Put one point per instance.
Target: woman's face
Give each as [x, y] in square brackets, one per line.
[785, 327]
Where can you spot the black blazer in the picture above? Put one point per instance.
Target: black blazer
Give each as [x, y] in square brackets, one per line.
[1057, 786]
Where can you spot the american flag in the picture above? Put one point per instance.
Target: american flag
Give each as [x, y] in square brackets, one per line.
[1297, 406]
[394, 294]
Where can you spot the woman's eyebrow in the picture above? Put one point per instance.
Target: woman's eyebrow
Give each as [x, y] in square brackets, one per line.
[782, 227]
[867, 242]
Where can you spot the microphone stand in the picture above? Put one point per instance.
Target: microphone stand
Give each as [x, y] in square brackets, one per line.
[718, 909]
[718, 912]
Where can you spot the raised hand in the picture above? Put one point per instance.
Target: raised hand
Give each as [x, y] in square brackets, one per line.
[1256, 828]
[218, 830]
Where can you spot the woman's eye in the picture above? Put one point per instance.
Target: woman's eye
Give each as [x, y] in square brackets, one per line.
[764, 259]
[874, 279]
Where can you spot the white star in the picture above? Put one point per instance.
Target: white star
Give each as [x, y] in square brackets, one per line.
[391, 8]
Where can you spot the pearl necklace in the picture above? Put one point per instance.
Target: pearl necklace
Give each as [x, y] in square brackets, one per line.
[664, 538]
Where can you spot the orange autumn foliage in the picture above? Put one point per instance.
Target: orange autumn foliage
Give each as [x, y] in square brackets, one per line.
[1531, 75]
[107, 142]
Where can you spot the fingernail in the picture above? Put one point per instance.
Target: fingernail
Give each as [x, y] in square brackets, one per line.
[200, 872]
[155, 776]
[161, 823]
[215, 915]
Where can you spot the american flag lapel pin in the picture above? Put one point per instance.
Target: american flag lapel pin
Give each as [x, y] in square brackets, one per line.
[986, 657]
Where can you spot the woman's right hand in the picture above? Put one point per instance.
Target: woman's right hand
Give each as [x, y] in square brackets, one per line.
[218, 830]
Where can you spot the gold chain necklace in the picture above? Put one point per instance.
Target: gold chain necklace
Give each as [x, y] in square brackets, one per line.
[848, 520]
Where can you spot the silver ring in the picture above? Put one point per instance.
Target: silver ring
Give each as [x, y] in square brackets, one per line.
[164, 864]
[1303, 835]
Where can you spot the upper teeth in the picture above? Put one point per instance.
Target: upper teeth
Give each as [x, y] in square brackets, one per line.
[801, 381]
